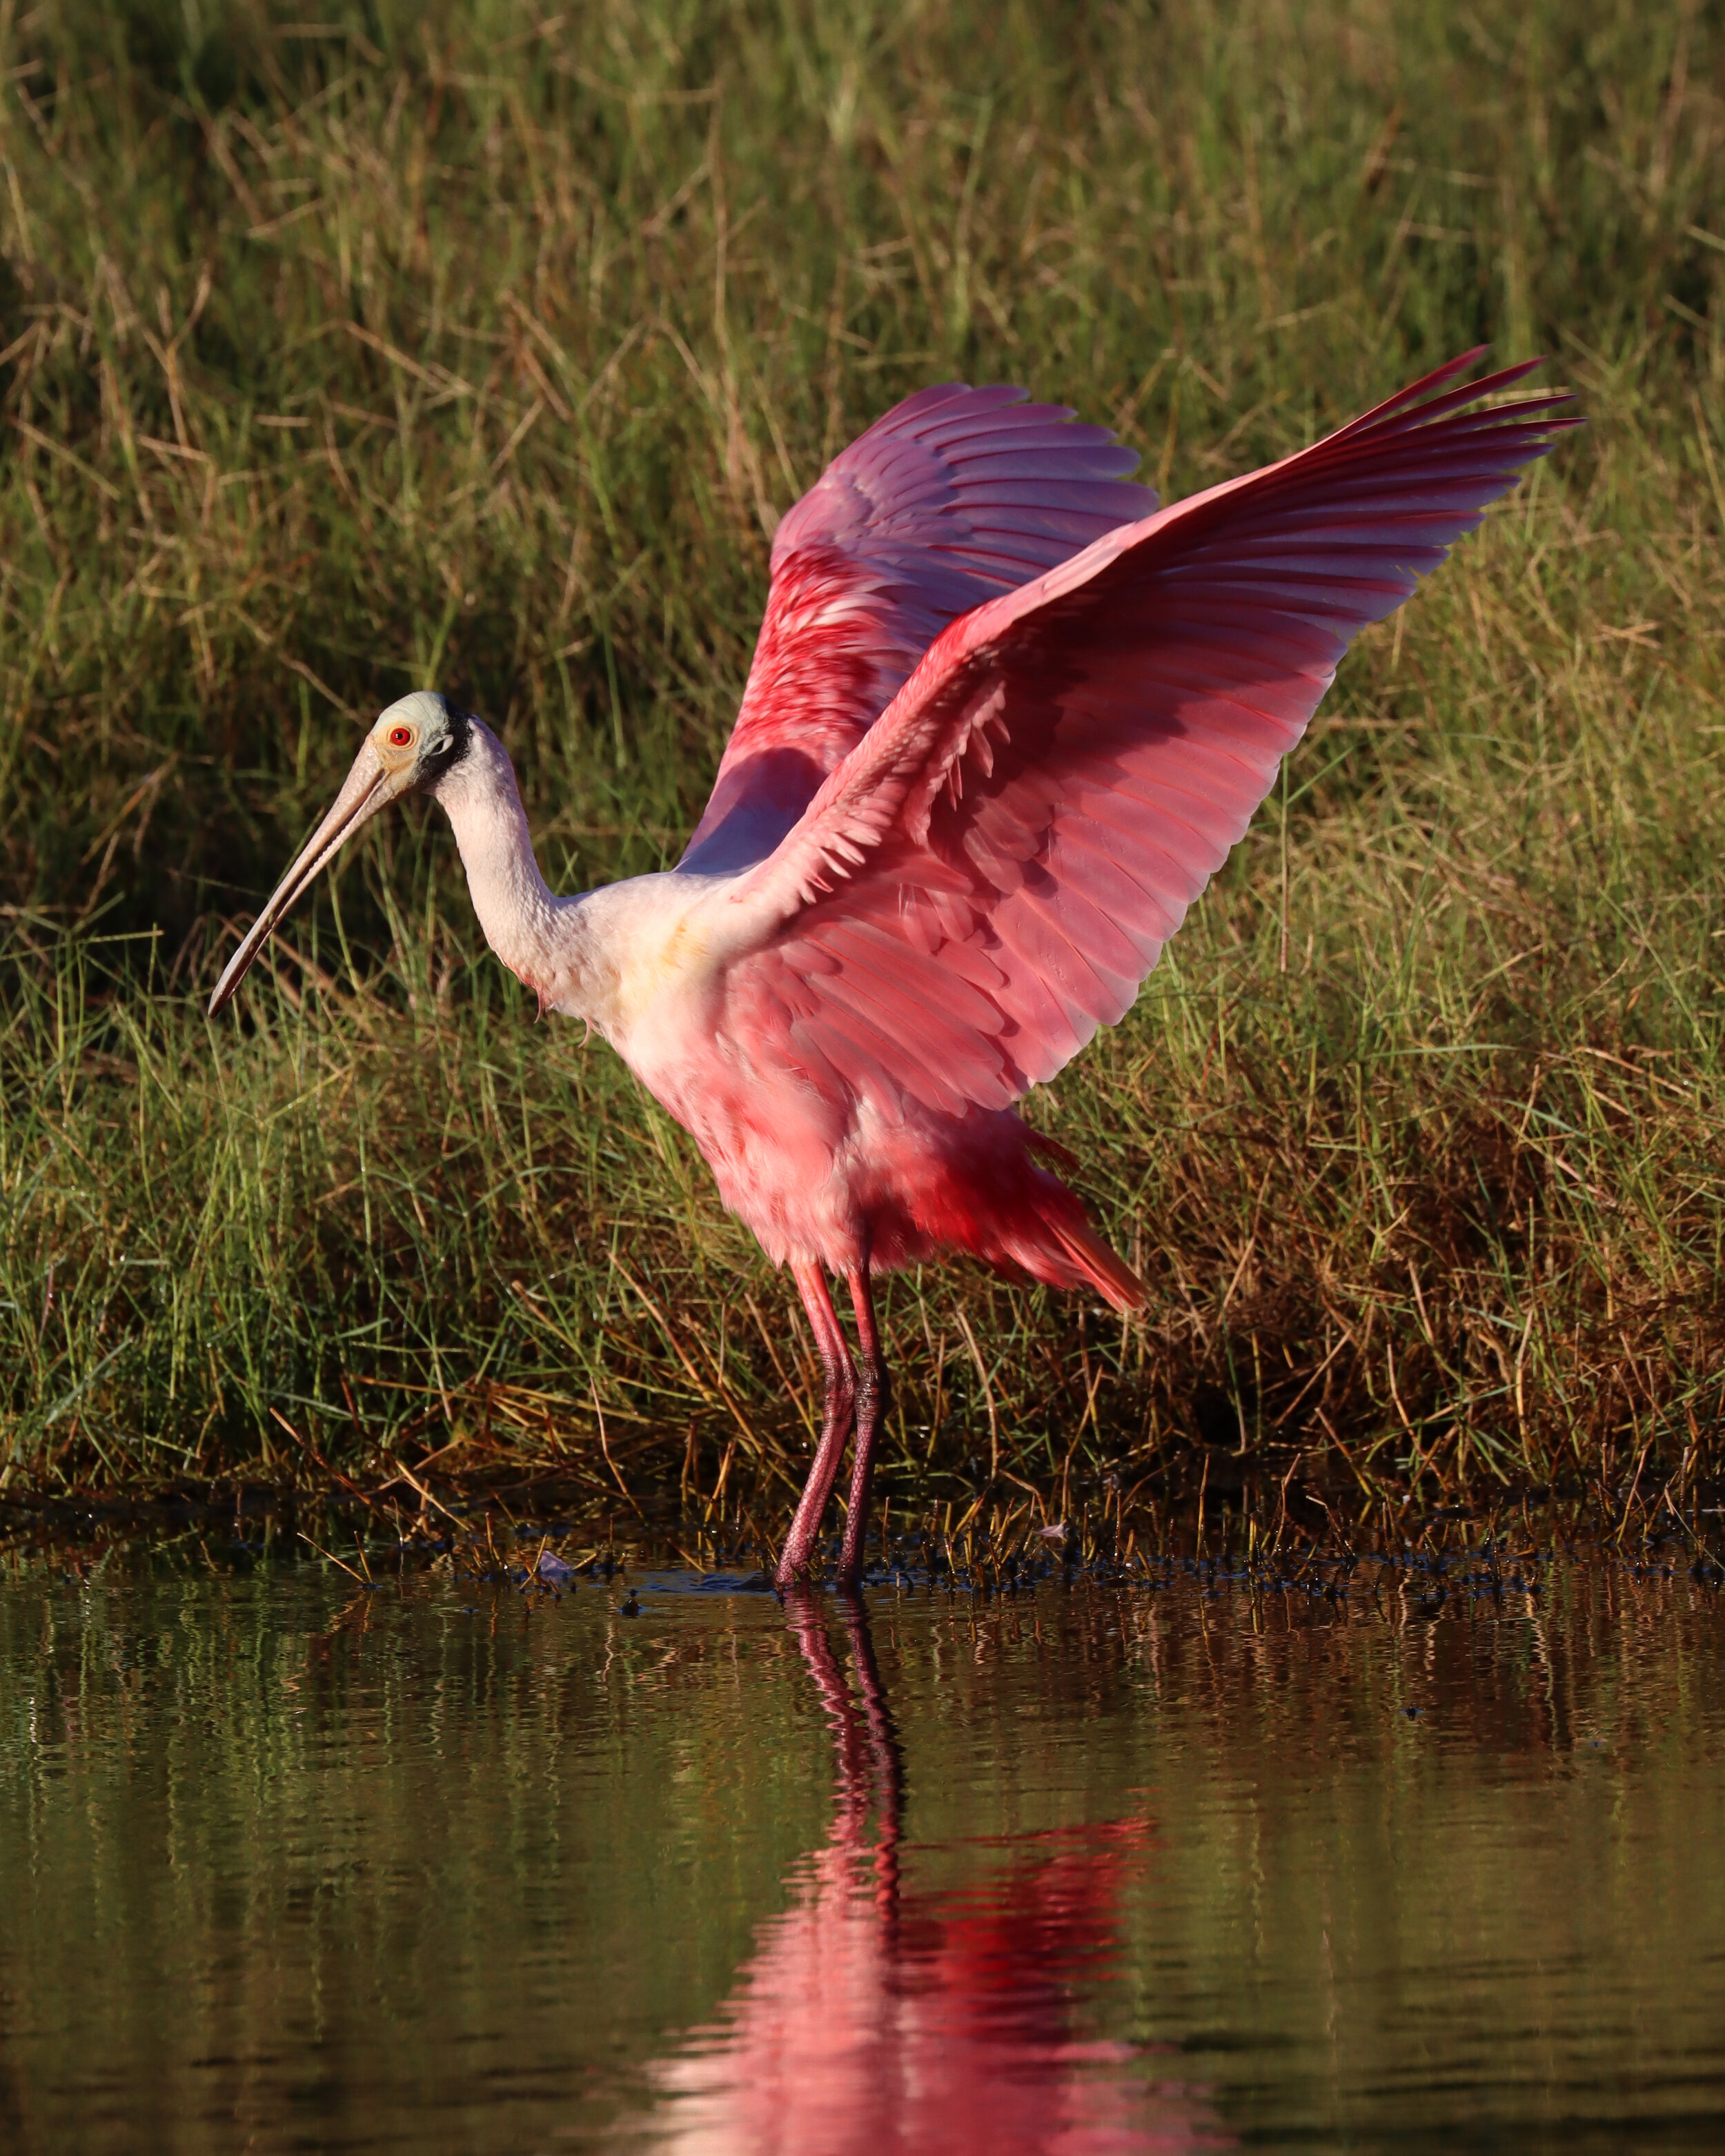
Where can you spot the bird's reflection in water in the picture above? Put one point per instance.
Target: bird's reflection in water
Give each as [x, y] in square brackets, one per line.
[875, 2015]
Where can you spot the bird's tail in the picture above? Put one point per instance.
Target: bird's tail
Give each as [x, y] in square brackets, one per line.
[977, 1188]
[1088, 1256]
[1077, 1247]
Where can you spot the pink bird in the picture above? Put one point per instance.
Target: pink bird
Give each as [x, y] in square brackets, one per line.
[1004, 722]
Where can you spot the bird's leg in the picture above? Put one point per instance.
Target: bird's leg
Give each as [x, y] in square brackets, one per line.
[835, 1422]
[871, 1405]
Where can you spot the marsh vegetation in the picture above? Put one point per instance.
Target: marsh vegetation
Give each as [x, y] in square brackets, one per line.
[473, 347]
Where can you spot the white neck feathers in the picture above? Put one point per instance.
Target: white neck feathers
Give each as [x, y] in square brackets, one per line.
[514, 903]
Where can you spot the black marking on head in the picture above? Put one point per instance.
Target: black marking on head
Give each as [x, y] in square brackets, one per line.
[459, 736]
[447, 748]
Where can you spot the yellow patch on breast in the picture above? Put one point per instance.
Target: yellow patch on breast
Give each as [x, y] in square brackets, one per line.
[650, 970]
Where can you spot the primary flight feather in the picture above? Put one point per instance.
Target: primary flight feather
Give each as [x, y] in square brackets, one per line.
[1006, 720]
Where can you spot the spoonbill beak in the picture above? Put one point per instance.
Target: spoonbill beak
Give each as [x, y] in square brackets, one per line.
[371, 785]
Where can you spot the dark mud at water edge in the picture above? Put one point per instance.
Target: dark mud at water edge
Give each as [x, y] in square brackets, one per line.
[492, 1834]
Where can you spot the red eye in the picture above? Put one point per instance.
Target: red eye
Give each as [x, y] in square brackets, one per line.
[401, 736]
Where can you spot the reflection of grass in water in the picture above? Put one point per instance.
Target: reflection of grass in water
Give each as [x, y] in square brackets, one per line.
[488, 362]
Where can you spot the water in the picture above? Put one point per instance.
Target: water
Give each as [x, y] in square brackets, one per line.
[284, 1866]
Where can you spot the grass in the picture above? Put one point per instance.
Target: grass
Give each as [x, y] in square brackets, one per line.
[472, 347]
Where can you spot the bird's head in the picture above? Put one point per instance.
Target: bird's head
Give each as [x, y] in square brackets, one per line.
[413, 747]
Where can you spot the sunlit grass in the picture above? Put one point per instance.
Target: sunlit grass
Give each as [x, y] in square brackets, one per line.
[478, 349]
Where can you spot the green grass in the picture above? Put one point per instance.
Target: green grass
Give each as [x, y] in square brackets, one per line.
[469, 347]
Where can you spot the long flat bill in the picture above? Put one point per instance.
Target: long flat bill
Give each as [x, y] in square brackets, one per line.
[366, 789]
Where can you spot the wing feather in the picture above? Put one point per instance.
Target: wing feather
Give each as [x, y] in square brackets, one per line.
[999, 859]
[953, 497]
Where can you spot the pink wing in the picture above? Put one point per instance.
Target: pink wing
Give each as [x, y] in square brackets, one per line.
[956, 495]
[991, 873]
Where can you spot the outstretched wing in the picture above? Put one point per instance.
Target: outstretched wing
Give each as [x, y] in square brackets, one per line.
[993, 871]
[954, 497]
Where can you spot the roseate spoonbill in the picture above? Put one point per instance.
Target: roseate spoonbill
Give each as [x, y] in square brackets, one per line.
[1004, 720]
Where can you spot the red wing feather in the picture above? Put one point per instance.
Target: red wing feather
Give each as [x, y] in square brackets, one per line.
[1069, 763]
[951, 498]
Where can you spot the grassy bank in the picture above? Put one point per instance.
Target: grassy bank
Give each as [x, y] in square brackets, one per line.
[474, 348]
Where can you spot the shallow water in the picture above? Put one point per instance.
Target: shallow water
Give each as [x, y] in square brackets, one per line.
[1092, 1869]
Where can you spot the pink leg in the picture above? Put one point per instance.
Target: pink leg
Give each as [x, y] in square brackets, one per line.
[835, 1423]
[872, 1404]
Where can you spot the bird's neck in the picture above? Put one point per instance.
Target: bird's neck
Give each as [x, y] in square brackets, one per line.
[515, 904]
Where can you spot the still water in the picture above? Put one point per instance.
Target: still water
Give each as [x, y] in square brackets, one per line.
[284, 1865]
